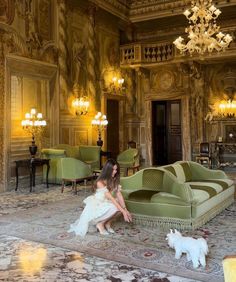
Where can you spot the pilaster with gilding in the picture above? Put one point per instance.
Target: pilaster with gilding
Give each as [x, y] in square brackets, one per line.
[62, 52]
[91, 77]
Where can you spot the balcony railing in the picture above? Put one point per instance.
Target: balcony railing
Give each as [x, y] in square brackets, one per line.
[133, 54]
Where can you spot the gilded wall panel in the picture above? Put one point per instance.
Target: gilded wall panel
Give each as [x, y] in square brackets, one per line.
[80, 137]
[65, 135]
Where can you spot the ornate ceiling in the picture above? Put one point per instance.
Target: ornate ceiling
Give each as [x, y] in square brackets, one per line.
[144, 10]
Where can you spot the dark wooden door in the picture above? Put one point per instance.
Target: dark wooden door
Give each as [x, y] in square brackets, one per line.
[174, 135]
[166, 132]
[113, 127]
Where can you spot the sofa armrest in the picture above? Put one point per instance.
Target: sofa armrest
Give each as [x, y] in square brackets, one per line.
[199, 172]
[133, 182]
[47, 153]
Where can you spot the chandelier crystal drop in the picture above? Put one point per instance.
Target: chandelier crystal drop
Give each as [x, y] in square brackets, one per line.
[203, 32]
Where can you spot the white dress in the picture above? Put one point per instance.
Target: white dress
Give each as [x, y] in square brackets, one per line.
[97, 208]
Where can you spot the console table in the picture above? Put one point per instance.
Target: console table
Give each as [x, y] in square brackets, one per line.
[31, 164]
[224, 154]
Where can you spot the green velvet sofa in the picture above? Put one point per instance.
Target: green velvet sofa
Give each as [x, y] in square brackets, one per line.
[85, 153]
[183, 195]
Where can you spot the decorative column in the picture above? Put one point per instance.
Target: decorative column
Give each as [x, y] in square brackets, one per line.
[62, 58]
[91, 76]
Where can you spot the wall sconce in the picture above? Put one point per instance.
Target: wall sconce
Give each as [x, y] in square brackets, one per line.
[80, 103]
[33, 124]
[117, 84]
[100, 122]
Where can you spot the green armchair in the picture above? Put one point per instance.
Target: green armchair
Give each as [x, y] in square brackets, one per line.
[88, 154]
[74, 171]
[55, 156]
[129, 159]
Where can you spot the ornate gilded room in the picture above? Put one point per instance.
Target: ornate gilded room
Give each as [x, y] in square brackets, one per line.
[150, 84]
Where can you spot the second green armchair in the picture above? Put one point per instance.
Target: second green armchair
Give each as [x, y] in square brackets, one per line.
[129, 159]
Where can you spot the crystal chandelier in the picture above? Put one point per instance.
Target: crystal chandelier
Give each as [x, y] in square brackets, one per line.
[203, 31]
[227, 109]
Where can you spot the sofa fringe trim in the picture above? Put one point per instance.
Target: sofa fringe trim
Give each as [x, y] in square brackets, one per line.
[181, 224]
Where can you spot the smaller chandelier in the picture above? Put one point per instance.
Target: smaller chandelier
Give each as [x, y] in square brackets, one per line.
[80, 103]
[203, 31]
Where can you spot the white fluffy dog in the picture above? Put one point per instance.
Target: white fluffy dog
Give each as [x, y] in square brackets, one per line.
[196, 249]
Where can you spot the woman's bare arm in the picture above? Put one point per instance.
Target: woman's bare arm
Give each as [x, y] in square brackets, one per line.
[126, 214]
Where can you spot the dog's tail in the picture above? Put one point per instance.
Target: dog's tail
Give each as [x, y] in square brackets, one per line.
[203, 245]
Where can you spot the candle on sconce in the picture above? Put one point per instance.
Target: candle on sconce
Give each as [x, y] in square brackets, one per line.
[39, 115]
[27, 115]
[33, 111]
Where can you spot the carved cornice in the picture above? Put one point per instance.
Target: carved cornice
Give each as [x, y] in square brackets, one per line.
[119, 8]
[141, 10]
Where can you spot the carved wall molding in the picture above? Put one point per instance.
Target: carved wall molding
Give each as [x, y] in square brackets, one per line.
[141, 10]
[7, 11]
[119, 8]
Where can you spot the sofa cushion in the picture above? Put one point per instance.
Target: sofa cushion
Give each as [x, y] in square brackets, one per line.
[181, 170]
[163, 197]
[153, 179]
[224, 183]
[211, 188]
[200, 196]
[142, 195]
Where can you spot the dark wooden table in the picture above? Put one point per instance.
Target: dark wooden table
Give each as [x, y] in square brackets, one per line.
[31, 164]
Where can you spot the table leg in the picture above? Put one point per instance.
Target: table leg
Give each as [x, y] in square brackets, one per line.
[16, 178]
[34, 170]
[31, 178]
[48, 167]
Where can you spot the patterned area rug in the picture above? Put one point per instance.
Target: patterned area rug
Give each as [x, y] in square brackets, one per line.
[132, 244]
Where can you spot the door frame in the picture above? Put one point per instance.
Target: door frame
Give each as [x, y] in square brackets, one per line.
[121, 99]
[185, 123]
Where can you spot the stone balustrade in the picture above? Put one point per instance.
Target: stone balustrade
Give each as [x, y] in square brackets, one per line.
[140, 53]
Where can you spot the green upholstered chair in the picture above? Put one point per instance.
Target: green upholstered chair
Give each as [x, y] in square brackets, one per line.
[71, 151]
[74, 171]
[129, 159]
[90, 155]
[86, 153]
[55, 156]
